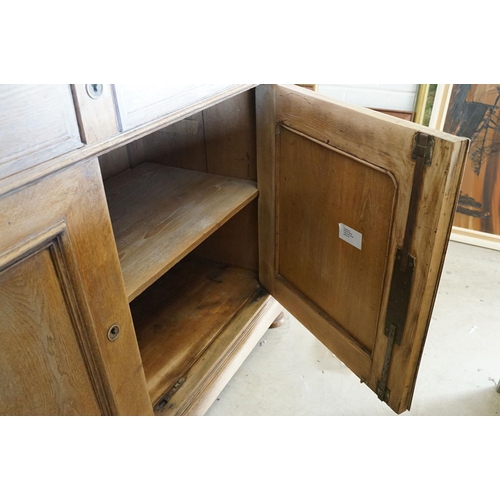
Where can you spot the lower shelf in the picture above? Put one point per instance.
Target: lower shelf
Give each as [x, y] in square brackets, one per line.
[189, 325]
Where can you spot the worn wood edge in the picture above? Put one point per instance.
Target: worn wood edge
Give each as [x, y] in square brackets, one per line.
[475, 238]
[436, 264]
[211, 373]
[266, 152]
[438, 191]
[22, 178]
[128, 384]
[371, 113]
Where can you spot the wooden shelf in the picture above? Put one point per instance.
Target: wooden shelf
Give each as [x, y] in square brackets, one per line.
[179, 316]
[159, 214]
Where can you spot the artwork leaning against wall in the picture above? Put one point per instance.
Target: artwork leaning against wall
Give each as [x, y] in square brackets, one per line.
[474, 112]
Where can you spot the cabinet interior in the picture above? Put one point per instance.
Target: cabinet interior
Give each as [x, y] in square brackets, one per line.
[183, 205]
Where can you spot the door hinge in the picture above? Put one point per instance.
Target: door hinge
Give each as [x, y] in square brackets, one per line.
[168, 396]
[423, 146]
[404, 265]
[395, 320]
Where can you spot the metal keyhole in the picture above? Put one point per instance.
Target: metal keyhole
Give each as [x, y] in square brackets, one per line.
[113, 332]
[94, 90]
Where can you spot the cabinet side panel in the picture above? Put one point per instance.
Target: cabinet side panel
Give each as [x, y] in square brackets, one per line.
[88, 265]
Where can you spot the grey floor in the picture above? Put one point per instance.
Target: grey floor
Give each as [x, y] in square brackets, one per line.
[291, 373]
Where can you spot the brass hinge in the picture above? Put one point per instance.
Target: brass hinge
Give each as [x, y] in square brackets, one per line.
[404, 266]
[168, 396]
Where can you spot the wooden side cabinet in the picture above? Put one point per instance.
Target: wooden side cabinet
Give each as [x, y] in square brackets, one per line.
[138, 272]
[61, 290]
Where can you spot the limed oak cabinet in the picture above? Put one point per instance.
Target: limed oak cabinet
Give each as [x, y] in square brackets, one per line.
[149, 235]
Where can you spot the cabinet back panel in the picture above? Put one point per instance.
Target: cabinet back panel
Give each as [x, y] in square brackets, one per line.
[220, 140]
[235, 243]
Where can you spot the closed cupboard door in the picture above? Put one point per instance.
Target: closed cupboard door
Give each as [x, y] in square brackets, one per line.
[60, 292]
[37, 123]
[355, 213]
[139, 104]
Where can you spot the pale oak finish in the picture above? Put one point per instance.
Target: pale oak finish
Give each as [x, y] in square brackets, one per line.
[105, 146]
[213, 370]
[179, 316]
[139, 104]
[371, 143]
[236, 243]
[44, 370]
[220, 140]
[160, 214]
[62, 311]
[370, 139]
[37, 123]
[181, 145]
[334, 189]
[97, 117]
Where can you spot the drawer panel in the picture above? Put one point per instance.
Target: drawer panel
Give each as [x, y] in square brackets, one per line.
[37, 123]
[139, 104]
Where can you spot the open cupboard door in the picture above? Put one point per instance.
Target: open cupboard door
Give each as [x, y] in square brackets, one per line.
[355, 212]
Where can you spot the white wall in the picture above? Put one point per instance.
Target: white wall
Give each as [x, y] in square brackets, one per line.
[397, 97]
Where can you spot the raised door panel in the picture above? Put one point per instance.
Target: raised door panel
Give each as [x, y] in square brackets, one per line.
[47, 365]
[37, 123]
[60, 291]
[354, 228]
[139, 104]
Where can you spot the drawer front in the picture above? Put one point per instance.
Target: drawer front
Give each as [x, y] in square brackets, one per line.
[141, 103]
[37, 123]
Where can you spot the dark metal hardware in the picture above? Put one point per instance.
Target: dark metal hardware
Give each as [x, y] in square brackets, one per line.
[423, 147]
[404, 266]
[395, 320]
[165, 399]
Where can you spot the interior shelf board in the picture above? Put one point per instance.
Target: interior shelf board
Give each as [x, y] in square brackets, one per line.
[160, 213]
[179, 316]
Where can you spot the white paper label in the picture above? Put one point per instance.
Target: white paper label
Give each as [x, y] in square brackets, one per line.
[350, 235]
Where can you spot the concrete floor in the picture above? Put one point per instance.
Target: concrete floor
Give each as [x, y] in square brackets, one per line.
[291, 373]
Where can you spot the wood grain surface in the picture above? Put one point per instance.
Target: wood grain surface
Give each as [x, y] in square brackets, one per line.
[160, 214]
[42, 368]
[37, 123]
[106, 145]
[179, 316]
[213, 370]
[97, 117]
[334, 189]
[307, 179]
[236, 243]
[62, 289]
